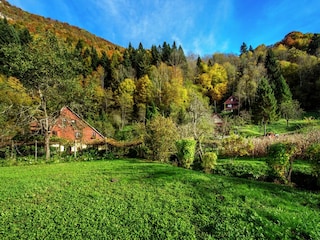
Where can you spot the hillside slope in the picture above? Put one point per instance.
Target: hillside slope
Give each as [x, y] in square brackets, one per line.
[38, 25]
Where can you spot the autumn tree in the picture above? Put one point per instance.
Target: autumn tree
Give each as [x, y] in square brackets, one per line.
[125, 99]
[142, 96]
[214, 81]
[159, 77]
[175, 97]
[15, 107]
[248, 83]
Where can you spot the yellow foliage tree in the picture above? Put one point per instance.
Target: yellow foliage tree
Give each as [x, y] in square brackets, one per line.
[14, 107]
[125, 98]
[214, 81]
[143, 94]
[175, 94]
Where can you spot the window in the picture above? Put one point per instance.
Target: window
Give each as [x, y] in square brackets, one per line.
[73, 122]
[77, 135]
[93, 135]
[64, 122]
[229, 105]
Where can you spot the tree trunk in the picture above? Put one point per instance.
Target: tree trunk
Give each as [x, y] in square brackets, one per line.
[46, 126]
[200, 150]
[36, 150]
[215, 106]
[47, 144]
[12, 149]
[290, 171]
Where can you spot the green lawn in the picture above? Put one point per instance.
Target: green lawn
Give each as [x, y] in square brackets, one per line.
[280, 127]
[131, 199]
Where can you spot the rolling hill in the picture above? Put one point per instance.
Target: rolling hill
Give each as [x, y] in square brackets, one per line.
[38, 25]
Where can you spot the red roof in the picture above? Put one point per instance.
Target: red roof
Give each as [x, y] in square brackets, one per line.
[232, 100]
[71, 126]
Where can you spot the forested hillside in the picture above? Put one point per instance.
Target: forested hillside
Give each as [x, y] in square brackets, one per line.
[45, 65]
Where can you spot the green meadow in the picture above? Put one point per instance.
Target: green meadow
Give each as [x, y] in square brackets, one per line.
[133, 199]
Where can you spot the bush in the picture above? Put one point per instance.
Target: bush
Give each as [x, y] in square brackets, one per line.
[235, 146]
[161, 135]
[280, 160]
[313, 152]
[209, 161]
[185, 152]
[248, 170]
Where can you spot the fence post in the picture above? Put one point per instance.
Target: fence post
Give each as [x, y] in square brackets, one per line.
[36, 150]
[75, 150]
[12, 149]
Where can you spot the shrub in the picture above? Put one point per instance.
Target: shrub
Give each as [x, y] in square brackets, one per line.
[209, 161]
[313, 152]
[280, 160]
[160, 138]
[236, 145]
[242, 169]
[185, 152]
[301, 141]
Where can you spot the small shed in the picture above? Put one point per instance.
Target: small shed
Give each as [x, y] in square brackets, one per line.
[217, 119]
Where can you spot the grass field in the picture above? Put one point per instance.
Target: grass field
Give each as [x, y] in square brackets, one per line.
[131, 199]
[280, 127]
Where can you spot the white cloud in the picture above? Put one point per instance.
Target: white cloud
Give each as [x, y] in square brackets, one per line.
[150, 22]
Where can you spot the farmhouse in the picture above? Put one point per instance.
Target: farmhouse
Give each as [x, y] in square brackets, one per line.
[231, 104]
[71, 127]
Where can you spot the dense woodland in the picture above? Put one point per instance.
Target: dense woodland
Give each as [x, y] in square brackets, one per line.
[45, 65]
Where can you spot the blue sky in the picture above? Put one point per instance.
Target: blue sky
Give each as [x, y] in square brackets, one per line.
[201, 27]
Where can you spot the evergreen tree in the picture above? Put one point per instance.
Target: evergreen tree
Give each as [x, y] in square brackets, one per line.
[7, 33]
[155, 56]
[126, 59]
[314, 45]
[94, 58]
[142, 61]
[174, 45]
[265, 107]
[104, 60]
[79, 48]
[243, 48]
[199, 62]
[25, 36]
[277, 82]
[166, 52]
